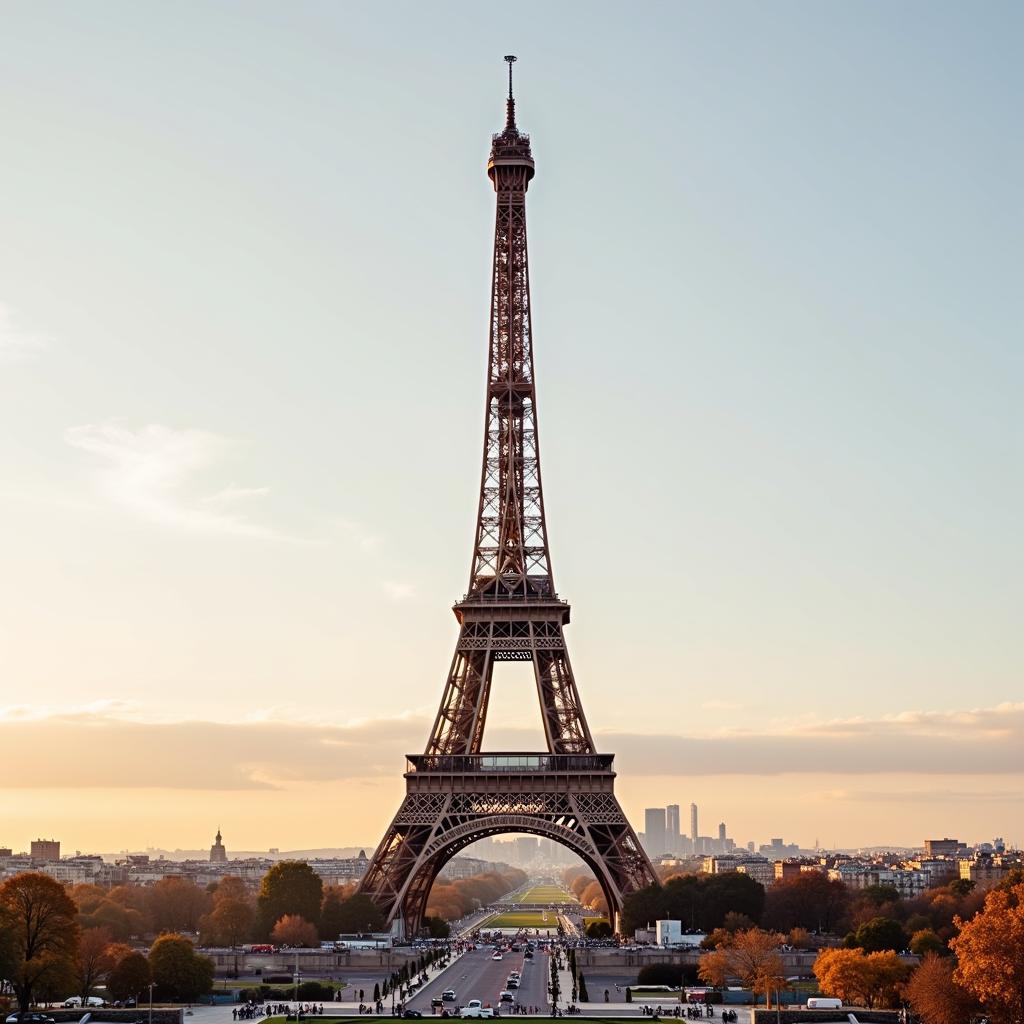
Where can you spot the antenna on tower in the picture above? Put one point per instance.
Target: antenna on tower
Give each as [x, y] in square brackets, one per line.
[510, 118]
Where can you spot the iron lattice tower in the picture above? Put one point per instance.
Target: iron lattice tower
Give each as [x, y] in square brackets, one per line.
[455, 794]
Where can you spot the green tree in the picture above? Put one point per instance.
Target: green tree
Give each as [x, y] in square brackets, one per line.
[699, 901]
[809, 900]
[42, 918]
[961, 886]
[360, 914]
[881, 894]
[330, 912]
[599, 930]
[129, 977]
[180, 973]
[881, 933]
[436, 928]
[289, 887]
[926, 941]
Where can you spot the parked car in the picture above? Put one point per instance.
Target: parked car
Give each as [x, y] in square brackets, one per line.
[29, 1018]
[412, 1014]
[74, 1001]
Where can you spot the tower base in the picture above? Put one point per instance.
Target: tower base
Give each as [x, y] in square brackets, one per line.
[453, 800]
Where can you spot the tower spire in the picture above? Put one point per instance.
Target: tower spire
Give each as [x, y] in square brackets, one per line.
[510, 106]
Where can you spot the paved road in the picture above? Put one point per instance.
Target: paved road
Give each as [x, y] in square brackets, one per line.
[475, 975]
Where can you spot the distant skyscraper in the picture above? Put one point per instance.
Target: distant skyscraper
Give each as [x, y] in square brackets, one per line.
[672, 828]
[654, 830]
[218, 855]
[694, 834]
[721, 831]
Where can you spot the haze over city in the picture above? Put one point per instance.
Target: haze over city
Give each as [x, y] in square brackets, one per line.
[244, 282]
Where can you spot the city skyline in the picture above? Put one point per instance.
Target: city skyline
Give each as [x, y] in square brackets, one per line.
[795, 399]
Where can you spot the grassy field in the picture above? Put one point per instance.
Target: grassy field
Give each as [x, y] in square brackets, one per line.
[521, 919]
[546, 894]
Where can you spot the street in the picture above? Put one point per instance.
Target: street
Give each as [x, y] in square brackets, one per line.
[475, 975]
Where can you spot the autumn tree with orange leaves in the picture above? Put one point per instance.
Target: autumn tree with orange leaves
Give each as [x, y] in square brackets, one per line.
[751, 955]
[990, 954]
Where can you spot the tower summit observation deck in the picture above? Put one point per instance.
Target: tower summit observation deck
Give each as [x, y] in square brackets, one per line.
[455, 793]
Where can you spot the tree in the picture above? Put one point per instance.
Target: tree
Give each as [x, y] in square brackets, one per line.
[599, 929]
[935, 996]
[42, 920]
[752, 956]
[176, 905]
[436, 927]
[926, 941]
[233, 916]
[293, 930]
[330, 910]
[699, 901]
[360, 914]
[289, 887]
[180, 973]
[129, 977]
[855, 977]
[667, 974]
[94, 960]
[880, 933]
[809, 900]
[990, 954]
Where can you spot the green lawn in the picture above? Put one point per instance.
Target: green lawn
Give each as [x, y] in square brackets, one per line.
[546, 894]
[521, 919]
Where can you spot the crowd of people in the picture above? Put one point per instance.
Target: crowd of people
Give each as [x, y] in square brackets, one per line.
[253, 1010]
[698, 1011]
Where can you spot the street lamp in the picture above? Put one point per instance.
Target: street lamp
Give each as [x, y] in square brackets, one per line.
[151, 984]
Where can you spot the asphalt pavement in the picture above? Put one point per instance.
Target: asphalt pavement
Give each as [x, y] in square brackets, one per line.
[476, 975]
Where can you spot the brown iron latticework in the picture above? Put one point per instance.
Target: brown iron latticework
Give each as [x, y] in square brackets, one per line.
[511, 612]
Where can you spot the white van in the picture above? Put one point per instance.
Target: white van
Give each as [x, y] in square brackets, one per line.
[824, 1003]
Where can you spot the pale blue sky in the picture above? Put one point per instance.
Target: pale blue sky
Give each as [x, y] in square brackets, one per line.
[776, 255]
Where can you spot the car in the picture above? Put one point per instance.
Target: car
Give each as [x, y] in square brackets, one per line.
[29, 1018]
[412, 1015]
[512, 983]
[448, 995]
[496, 955]
[528, 955]
[506, 997]
[435, 1003]
[75, 1001]
[474, 1008]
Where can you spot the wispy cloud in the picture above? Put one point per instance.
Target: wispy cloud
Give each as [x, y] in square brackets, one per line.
[271, 750]
[152, 473]
[17, 344]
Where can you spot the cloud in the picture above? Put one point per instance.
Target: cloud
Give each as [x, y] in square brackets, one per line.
[16, 344]
[111, 745]
[152, 473]
[398, 591]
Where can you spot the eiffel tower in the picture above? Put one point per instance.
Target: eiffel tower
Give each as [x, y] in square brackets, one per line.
[455, 794]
